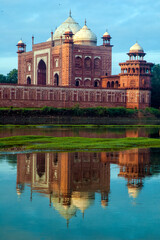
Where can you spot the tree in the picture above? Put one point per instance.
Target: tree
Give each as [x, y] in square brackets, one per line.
[12, 76]
[155, 83]
[2, 78]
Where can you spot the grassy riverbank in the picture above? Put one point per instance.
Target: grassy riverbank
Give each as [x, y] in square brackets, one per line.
[75, 143]
[79, 116]
[82, 112]
[88, 126]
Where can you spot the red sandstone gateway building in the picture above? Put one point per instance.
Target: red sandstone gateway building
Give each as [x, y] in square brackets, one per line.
[69, 69]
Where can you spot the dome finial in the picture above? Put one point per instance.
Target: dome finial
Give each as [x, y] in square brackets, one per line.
[70, 13]
[85, 22]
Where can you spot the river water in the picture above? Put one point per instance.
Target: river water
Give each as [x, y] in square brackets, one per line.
[91, 132]
[80, 195]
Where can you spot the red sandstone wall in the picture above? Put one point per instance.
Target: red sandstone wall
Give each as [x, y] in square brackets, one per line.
[108, 80]
[66, 69]
[32, 96]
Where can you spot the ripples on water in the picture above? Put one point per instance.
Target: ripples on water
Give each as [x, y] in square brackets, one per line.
[80, 195]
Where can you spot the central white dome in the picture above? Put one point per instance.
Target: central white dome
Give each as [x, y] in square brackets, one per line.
[68, 23]
[85, 37]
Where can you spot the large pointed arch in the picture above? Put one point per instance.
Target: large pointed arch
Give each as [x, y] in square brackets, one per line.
[41, 76]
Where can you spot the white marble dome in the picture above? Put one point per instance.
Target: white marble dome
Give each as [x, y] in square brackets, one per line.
[136, 47]
[68, 30]
[20, 42]
[66, 212]
[106, 34]
[85, 37]
[68, 23]
[133, 192]
[82, 200]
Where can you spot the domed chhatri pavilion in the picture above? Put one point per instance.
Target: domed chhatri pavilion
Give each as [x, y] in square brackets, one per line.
[69, 69]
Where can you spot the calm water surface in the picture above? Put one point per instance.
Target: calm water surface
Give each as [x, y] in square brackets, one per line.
[91, 132]
[76, 195]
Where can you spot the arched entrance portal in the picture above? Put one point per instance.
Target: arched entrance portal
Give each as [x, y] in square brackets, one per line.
[56, 80]
[41, 73]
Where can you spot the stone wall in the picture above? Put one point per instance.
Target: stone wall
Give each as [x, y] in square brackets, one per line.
[34, 96]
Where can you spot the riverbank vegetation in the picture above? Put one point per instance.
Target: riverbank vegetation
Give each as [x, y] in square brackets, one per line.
[155, 83]
[75, 143]
[79, 126]
[81, 112]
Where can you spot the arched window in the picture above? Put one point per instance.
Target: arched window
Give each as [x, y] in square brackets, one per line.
[55, 160]
[96, 83]
[56, 80]
[108, 85]
[77, 83]
[28, 80]
[112, 84]
[133, 70]
[87, 63]
[96, 63]
[137, 70]
[41, 73]
[78, 62]
[116, 84]
[40, 164]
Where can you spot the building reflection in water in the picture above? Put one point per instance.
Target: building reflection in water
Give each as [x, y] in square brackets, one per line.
[70, 180]
[134, 166]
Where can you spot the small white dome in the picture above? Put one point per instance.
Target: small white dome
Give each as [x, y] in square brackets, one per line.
[20, 42]
[106, 34]
[69, 22]
[82, 200]
[136, 47]
[85, 37]
[133, 192]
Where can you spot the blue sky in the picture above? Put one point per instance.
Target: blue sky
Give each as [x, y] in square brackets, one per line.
[127, 21]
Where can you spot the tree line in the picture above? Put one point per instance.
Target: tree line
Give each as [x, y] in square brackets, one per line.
[12, 77]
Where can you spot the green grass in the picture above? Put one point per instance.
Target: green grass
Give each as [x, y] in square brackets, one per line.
[75, 143]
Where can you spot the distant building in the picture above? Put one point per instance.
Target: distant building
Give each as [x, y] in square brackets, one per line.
[69, 69]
